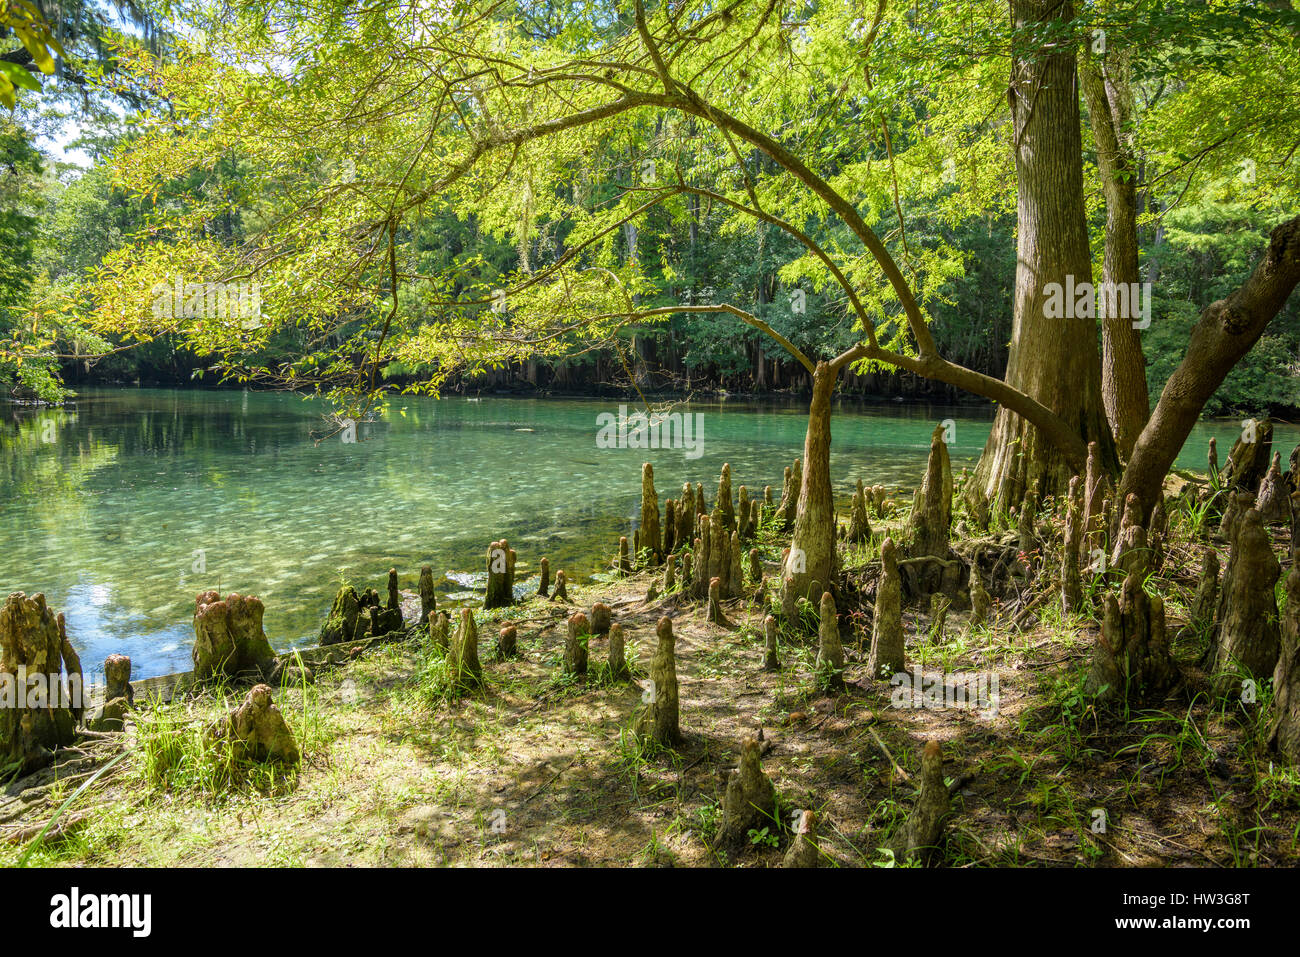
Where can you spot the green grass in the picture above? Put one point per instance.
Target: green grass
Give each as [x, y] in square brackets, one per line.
[175, 752]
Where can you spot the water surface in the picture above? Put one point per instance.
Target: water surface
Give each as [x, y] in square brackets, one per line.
[123, 506]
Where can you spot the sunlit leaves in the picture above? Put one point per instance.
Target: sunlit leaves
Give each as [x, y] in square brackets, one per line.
[37, 37]
[345, 135]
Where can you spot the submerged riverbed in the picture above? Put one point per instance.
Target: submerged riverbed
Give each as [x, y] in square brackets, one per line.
[125, 504]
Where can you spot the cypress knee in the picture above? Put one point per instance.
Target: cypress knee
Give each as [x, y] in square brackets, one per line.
[1095, 486]
[770, 660]
[803, 851]
[859, 525]
[723, 502]
[1071, 587]
[1131, 659]
[1131, 552]
[932, 508]
[507, 642]
[428, 600]
[1207, 595]
[650, 537]
[1246, 633]
[715, 614]
[980, 602]
[462, 659]
[755, 569]
[440, 632]
[618, 669]
[575, 646]
[923, 831]
[735, 578]
[601, 618]
[1284, 724]
[886, 657]
[830, 652]
[1274, 498]
[749, 802]
[500, 576]
[39, 720]
[659, 720]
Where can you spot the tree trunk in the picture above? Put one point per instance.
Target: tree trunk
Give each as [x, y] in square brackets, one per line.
[808, 567]
[1053, 360]
[1123, 367]
[40, 708]
[1226, 331]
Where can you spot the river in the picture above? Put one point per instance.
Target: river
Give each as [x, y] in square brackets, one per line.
[126, 503]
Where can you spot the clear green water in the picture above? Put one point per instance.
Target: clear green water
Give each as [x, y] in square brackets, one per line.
[104, 505]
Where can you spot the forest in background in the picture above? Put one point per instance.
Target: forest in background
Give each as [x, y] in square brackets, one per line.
[1202, 224]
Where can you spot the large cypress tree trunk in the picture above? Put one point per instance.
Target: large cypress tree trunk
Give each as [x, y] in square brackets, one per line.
[1054, 360]
[809, 565]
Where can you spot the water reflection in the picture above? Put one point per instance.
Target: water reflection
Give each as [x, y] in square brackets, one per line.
[125, 505]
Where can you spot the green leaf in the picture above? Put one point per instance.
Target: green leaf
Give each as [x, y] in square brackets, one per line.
[17, 76]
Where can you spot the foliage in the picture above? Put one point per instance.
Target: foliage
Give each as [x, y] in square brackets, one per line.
[543, 200]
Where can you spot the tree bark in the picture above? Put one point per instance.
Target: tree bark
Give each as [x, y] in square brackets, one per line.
[1123, 367]
[1052, 360]
[1226, 331]
[809, 564]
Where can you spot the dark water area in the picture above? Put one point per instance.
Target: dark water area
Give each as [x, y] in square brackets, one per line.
[124, 505]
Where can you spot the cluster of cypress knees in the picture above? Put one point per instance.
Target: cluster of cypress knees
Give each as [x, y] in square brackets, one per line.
[228, 640]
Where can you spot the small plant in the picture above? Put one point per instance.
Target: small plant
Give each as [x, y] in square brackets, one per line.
[634, 753]
[1195, 516]
[885, 858]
